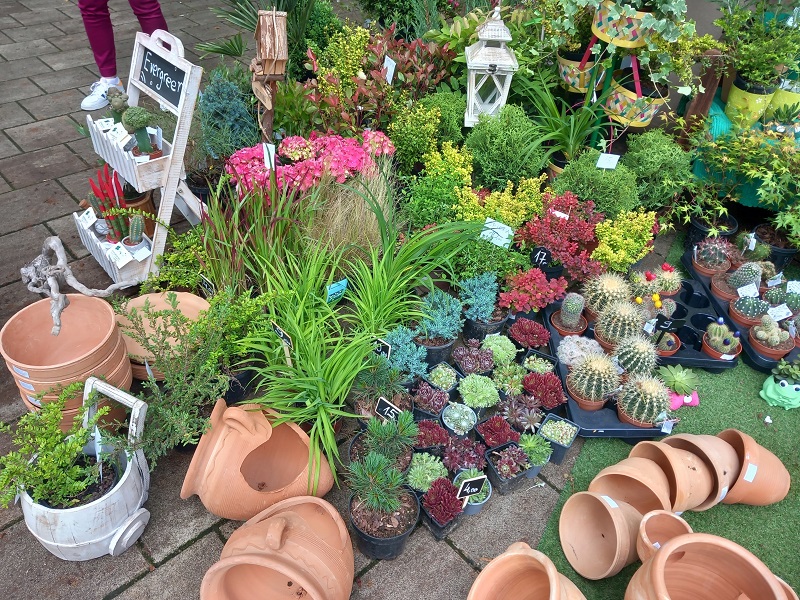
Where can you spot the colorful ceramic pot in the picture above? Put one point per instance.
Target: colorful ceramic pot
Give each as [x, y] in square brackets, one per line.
[626, 32]
[780, 393]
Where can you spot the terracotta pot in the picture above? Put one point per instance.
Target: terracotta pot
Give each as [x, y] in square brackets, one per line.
[297, 548]
[701, 566]
[718, 355]
[673, 351]
[767, 351]
[140, 372]
[708, 272]
[607, 346]
[690, 481]
[670, 294]
[625, 418]
[787, 589]
[741, 320]
[720, 458]
[721, 294]
[584, 403]
[638, 481]
[88, 336]
[598, 534]
[243, 464]
[565, 332]
[591, 315]
[656, 529]
[763, 478]
[522, 573]
[145, 203]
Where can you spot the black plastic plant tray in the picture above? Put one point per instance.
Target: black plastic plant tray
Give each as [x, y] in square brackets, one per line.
[748, 354]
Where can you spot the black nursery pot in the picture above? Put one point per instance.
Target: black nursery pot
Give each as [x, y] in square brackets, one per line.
[438, 530]
[780, 257]
[697, 232]
[501, 484]
[238, 387]
[559, 450]
[438, 354]
[475, 330]
[382, 548]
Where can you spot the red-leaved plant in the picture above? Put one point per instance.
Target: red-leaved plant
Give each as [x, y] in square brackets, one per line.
[496, 431]
[430, 399]
[472, 359]
[571, 240]
[464, 454]
[441, 501]
[546, 388]
[529, 333]
[510, 461]
[522, 412]
[431, 434]
[531, 290]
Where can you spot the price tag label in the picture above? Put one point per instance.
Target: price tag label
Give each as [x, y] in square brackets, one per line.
[650, 327]
[751, 242]
[117, 132]
[390, 65]
[87, 218]
[748, 291]
[104, 124]
[382, 348]
[541, 257]
[336, 290]
[793, 287]
[561, 215]
[727, 356]
[470, 487]
[665, 324]
[285, 338]
[119, 255]
[269, 155]
[386, 409]
[142, 253]
[666, 427]
[779, 312]
[607, 161]
[777, 280]
[497, 233]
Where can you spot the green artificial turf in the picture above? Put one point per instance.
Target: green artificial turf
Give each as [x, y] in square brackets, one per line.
[727, 400]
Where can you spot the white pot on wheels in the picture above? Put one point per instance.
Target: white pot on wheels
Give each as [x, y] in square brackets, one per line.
[111, 524]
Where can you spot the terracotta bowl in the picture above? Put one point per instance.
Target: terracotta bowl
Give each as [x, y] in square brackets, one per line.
[656, 529]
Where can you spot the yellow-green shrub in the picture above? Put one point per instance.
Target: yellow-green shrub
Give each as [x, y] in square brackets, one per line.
[624, 240]
[510, 207]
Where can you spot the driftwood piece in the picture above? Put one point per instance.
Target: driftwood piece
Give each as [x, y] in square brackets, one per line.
[265, 89]
[698, 107]
[41, 276]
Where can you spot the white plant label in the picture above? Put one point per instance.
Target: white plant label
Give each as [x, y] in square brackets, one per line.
[792, 329]
[727, 356]
[269, 155]
[139, 160]
[779, 312]
[142, 253]
[723, 493]
[650, 327]
[607, 161]
[751, 242]
[390, 65]
[87, 218]
[666, 427]
[750, 290]
[104, 124]
[119, 255]
[777, 280]
[610, 501]
[750, 473]
[793, 287]
[561, 215]
[497, 233]
[117, 132]
[694, 253]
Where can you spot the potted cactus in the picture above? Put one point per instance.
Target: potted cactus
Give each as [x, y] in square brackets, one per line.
[507, 466]
[668, 281]
[637, 355]
[604, 289]
[478, 392]
[574, 348]
[682, 383]
[471, 358]
[746, 312]
[725, 286]
[592, 380]
[439, 328]
[666, 344]
[136, 120]
[527, 333]
[642, 401]
[775, 295]
[538, 450]
[424, 470]
[495, 431]
[441, 508]
[458, 419]
[720, 342]
[768, 339]
[135, 239]
[617, 321]
[712, 256]
[476, 501]
[429, 402]
[569, 319]
[479, 299]
[560, 433]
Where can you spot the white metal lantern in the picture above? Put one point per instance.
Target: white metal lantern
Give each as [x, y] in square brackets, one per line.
[491, 64]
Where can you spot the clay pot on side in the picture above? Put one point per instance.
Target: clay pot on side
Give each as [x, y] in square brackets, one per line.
[707, 271]
[763, 478]
[769, 352]
[243, 464]
[522, 573]
[584, 403]
[598, 534]
[656, 529]
[701, 566]
[787, 589]
[638, 481]
[555, 321]
[690, 480]
[299, 546]
[720, 458]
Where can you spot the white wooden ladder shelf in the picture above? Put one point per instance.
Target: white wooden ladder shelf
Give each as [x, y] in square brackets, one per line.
[159, 70]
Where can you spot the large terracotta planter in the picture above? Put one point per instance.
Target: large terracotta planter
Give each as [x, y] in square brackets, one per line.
[720, 458]
[787, 589]
[638, 481]
[598, 534]
[522, 573]
[763, 478]
[700, 566]
[243, 464]
[656, 529]
[298, 548]
[690, 480]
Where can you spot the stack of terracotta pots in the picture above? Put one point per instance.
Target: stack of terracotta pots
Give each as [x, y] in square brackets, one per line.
[599, 528]
[89, 344]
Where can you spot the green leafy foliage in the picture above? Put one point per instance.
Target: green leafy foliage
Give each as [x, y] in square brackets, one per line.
[452, 107]
[376, 483]
[392, 438]
[179, 266]
[503, 349]
[295, 113]
[413, 133]
[480, 256]
[377, 379]
[478, 391]
[430, 199]
[661, 166]
[225, 117]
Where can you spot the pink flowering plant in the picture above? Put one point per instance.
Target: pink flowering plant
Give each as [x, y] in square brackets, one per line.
[301, 163]
[531, 290]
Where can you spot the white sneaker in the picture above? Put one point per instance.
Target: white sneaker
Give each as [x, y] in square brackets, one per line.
[97, 95]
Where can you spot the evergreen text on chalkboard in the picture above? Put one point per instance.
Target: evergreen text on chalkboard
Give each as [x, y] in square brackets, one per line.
[162, 77]
[382, 348]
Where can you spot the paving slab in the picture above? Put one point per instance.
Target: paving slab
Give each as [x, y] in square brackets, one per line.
[519, 516]
[4, 39]
[54, 104]
[77, 184]
[13, 513]
[65, 229]
[8, 22]
[18, 89]
[12, 114]
[173, 522]
[4, 187]
[69, 59]
[33, 205]
[69, 25]
[43, 31]
[71, 41]
[179, 577]
[427, 570]
[559, 476]
[11, 405]
[89, 272]
[23, 67]
[339, 497]
[41, 165]
[44, 133]
[34, 17]
[76, 77]
[29, 571]
[18, 249]
[26, 49]
[7, 147]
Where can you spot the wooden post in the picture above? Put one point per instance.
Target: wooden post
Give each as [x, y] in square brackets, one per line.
[698, 107]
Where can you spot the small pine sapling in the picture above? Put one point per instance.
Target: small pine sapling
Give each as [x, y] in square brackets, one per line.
[376, 483]
[479, 296]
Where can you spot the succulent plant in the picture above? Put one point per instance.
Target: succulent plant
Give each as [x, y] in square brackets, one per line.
[619, 320]
[745, 275]
[443, 377]
[478, 391]
[459, 417]
[479, 296]
[441, 501]
[510, 461]
[769, 332]
[559, 431]
[721, 338]
[636, 354]
[768, 270]
[538, 364]
[521, 412]
[669, 281]
[430, 434]
[392, 438]
[496, 431]
[430, 399]
[503, 349]
[136, 119]
[743, 242]
[136, 229]
[536, 447]
[574, 348]
[528, 333]
[679, 379]
[472, 359]
[472, 474]
[713, 252]
[644, 398]
[442, 318]
[508, 378]
[666, 342]
[775, 295]
[751, 307]
[424, 470]
[546, 388]
[594, 377]
[788, 371]
[572, 310]
[792, 300]
[605, 289]
[406, 356]
[464, 454]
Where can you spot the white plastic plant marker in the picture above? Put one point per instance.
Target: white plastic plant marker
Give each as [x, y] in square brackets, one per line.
[793, 287]
[269, 155]
[750, 472]
[748, 291]
[610, 501]
[87, 218]
[780, 312]
[607, 161]
[119, 255]
[497, 233]
[390, 65]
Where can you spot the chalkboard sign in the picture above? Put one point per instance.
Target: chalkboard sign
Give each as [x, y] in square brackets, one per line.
[386, 409]
[665, 324]
[285, 337]
[541, 257]
[470, 487]
[162, 77]
[383, 348]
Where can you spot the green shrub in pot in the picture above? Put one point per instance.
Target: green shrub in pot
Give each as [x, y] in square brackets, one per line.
[424, 470]
[661, 166]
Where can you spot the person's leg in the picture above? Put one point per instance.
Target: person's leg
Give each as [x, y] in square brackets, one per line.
[97, 22]
[149, 14]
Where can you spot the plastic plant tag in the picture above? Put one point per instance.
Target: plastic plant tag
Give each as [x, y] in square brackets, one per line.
[650, 327]
[148, 369]
[470, 487]
[382, 348]
[128, 143]
[749, 290]
[390, 64]
[792, 329]
[750, 473]
[336, 290]
[87, 218]
[142, 253]
[777, 280]
[119, 255]
[727, 356]
[751, 242]
[656, 545]
[561, 215]
[19, 371]
[141, 159]
[497, 233]
[723, 493]
[694, 253]
[779, 312]
[104, 124]
[610, 501]
[615, 360]
[666, 427]
[793, 287]
[117, 132]
[285, 338]
[607, 161]
[387, 410]
[269, 155]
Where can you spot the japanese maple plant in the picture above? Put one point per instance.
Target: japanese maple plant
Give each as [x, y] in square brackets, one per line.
[531, 291]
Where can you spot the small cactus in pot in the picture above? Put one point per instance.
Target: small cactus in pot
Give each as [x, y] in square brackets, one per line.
[136, 229]
[636, 354]
[619, 320]
[136, 120]
[769, 332]
[752, 308]
[668, 280]
[665, 343]
[712, 253]
[605, 289]
[775, 295]
[572, 310]
[593, 378]
[719, 337]
[745, 275]
[643, 400]
[792, 300]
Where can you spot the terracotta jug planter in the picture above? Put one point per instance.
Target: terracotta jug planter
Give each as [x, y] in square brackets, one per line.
[700, 566]
[298, 548]
[243, 464]
[763, 478]
[656, 529]
[690, 481]
[720, 458]
[638, 481]
[522, 573]
[598, 534]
